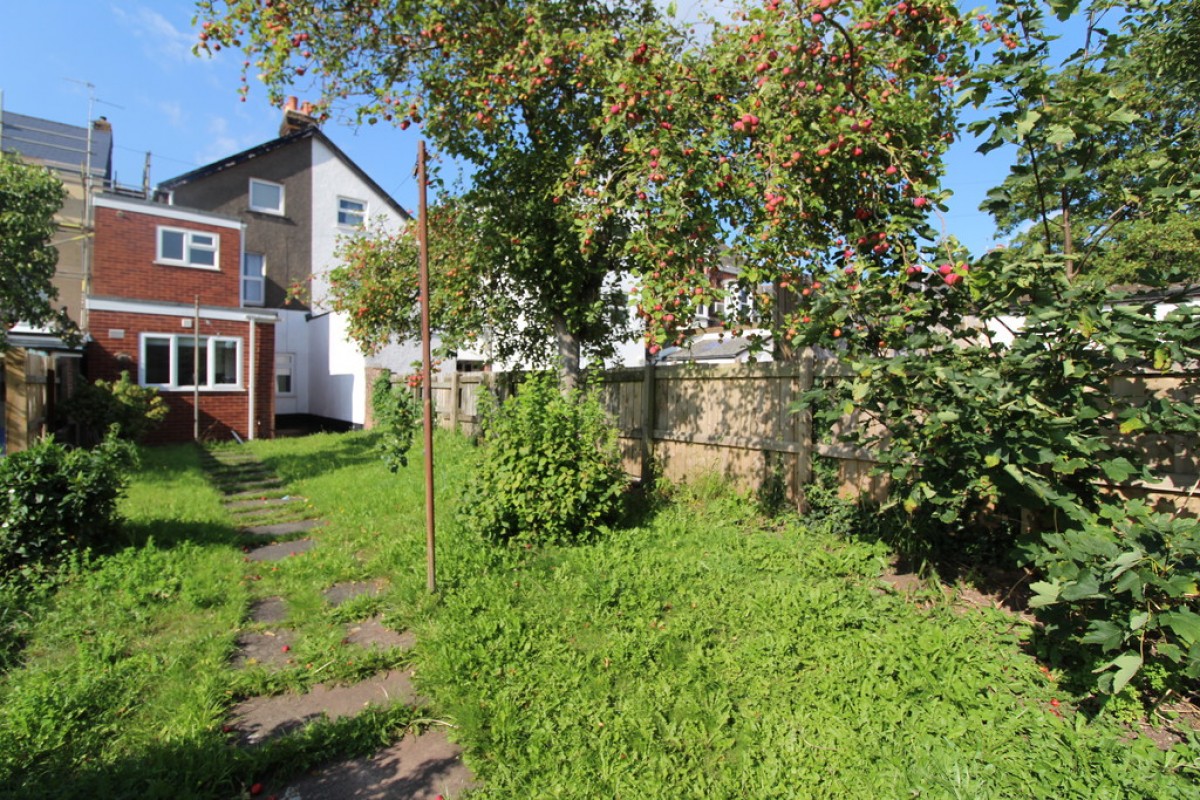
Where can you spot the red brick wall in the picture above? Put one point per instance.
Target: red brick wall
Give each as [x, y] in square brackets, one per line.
[126, 243]
[221, 412]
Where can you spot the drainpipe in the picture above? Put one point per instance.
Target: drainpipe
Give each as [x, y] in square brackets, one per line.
[252, 429]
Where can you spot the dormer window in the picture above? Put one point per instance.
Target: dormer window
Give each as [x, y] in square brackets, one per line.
[266, 197]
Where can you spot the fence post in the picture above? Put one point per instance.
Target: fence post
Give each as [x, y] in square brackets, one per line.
[455, 400]
[803, 428]
[649, 403]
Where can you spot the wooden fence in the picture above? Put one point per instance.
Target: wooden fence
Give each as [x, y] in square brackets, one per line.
[737, 421]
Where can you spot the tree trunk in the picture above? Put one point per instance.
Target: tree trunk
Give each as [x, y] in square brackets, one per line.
[568, 354]
[1068, 241]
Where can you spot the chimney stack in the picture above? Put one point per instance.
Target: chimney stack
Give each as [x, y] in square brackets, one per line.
[296, 119]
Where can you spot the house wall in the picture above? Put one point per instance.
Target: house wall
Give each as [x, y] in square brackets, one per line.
[125, 248]
[338, 384]
[337, 381]
[284, 240]
[115, 347]
[292, 336]
[71, 243]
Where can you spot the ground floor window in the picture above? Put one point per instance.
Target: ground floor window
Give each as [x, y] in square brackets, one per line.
[170, 361]
[284, 368]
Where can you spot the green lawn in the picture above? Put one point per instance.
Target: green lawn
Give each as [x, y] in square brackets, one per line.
[701, 654]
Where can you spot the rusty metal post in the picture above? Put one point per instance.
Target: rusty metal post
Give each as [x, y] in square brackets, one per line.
[426, 371]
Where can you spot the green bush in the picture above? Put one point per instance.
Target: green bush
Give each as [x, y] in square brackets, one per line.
[551, 471]
[135, 410]
[1119, 596]
[396, 413]
[57, 500]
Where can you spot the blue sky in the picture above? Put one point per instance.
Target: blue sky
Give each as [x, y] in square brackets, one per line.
[186, 112]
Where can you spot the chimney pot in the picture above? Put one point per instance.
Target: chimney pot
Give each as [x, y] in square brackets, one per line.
[291, 104]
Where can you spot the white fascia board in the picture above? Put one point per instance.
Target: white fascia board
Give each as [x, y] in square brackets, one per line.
[166, 212]
[181, 310]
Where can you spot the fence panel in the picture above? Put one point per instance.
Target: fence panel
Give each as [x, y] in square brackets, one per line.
[739, 421]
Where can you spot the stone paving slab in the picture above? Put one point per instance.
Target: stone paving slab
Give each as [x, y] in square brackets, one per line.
[238, 487]
[269, 609]
[255, 503]
[283, 528]
[258, 517]
[415, 768]
[261, 718]
[280, 550]
[373, 634]
[256, 494]
[271, 649]
[344, 592]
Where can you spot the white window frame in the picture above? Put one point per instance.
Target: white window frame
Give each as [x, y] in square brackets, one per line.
[181, 383]
[362, 214]
[277, 211]
[285, 362]
[260, 280]
[190, 246]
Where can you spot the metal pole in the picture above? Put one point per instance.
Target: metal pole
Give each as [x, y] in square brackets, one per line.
[196, 372]
[426, 370]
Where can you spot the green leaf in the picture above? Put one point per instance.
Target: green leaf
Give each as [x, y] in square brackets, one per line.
[1044, 594]
[1127, 666]
[1184, 624]
[1132, 424]
[1086, 587]
[1104, 633]
[1118, 470]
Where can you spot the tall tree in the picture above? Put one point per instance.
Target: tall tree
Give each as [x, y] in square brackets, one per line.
[510, 88]
[30, 196]
[807, 137]
[1107, 137]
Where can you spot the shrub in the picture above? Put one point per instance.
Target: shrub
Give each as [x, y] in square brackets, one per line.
[57, 500]
[134, 410]
[1119, 596]
[551, 471]
[396, 413]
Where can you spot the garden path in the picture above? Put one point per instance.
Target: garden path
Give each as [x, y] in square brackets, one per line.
[421, 766]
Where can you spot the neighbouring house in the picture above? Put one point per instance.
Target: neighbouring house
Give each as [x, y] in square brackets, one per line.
[41, 369]
[296, 195]
[168, 302]
[81, 157]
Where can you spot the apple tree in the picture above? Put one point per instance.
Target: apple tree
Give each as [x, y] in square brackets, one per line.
[30, 196]
[510, 89]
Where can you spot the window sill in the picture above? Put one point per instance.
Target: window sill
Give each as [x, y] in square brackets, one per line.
[185, 265]
[203, 389]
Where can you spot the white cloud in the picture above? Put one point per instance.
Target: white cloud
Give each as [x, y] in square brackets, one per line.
[172, 112]
[161, 39]
[221, 143]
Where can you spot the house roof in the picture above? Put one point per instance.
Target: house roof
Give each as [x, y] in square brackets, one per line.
[1176, 293]
[717, 348]
[56, 144]
[276, 144]
[122, 202]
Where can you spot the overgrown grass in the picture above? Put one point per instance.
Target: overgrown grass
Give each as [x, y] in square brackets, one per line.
[699, 655]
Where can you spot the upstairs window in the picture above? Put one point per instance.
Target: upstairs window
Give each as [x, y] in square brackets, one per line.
[254, 269]
[266, 197]
[351, 213]
[180, 247]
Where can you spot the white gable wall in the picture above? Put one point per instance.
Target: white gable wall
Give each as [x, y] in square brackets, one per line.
[337, 370]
